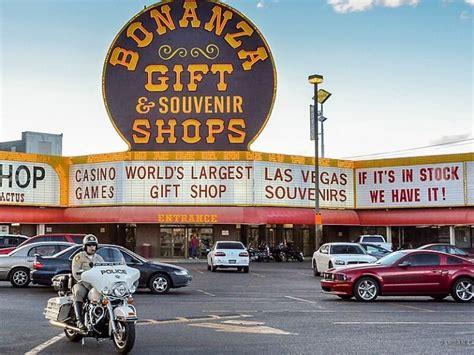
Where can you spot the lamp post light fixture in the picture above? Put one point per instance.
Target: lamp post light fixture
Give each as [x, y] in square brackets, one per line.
[315, 80]
[323, 95]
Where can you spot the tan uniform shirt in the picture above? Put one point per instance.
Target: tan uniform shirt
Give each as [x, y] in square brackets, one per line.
[81, 263]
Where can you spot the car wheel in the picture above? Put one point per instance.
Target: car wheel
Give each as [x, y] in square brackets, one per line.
[246, 269]
[344, 297]
[208, 267]
[315, 268]
[160, 283]
[463, 290]
[213, 268]
[239, 269]
[439, 297]
[366, 289]
[20, 277]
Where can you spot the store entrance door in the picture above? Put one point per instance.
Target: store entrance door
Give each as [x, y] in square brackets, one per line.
[205, 237]
[173, 242]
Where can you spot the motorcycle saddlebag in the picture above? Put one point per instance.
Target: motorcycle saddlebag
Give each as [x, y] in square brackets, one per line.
[61, 282]
[58, 308]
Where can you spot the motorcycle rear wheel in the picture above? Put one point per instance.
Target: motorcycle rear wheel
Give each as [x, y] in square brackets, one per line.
[73, 336]
[124, 339]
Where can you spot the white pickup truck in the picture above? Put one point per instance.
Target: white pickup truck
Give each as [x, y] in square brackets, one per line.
[374, 239]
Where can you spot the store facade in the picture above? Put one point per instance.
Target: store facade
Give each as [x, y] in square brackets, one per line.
[271, 202]
[180, 83]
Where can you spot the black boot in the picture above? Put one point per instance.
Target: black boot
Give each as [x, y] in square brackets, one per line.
[78, 312]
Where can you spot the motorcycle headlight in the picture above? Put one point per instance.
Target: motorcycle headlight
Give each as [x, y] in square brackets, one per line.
[134, 287]
[181, 272]
[120, 289]
[340, 262]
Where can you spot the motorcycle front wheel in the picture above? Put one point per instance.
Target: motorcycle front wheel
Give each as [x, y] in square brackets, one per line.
[124, 338]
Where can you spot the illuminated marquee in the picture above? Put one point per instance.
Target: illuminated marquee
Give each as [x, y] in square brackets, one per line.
[208, 183]
[28, 183]
[189, 75]
[411, 186]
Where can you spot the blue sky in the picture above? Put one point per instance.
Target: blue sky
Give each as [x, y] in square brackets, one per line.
[401, 72]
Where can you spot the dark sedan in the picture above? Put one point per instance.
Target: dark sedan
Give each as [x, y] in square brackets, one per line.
[448, 249]
[158, 277]
[405, 273]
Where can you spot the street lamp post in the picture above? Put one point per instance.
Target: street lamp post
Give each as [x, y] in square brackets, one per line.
[322, 119]
[315, 80]
[323, 95]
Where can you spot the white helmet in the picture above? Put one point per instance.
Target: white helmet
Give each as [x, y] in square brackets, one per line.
[89, 239]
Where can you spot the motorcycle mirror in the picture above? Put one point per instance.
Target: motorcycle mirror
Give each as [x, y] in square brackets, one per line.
[91, 264]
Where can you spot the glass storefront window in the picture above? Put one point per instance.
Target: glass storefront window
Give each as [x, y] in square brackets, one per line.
[172, 242]
[205, 236]
[463, 237]
[253, 237]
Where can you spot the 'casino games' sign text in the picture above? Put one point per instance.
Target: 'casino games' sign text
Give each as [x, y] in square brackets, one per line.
[189, 75]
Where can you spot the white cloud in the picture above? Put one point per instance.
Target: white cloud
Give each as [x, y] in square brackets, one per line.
[260, 4]
[470, 2]
[344, 6]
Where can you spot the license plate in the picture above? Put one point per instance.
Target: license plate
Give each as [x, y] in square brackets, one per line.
[232, 261]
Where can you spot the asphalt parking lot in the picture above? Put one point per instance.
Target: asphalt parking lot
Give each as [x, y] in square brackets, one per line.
[276, 308]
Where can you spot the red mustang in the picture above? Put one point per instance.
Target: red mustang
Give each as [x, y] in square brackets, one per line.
[404, 273]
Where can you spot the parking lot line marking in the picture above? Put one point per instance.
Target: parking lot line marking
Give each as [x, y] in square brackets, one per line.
[181, 320]
[257, 274]
[305, 274]
[44, 345]
[207, 293]
[403, 323]
[413, 307]
[300, 299]
[198, 271]
[249, 329]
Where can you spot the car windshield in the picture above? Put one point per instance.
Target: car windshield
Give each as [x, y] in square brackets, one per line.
[379, 248]
[67, 251]
[230, 246]
[373, 239]
[391, 258]
[346, 249]
[77, 239]
[110, 255]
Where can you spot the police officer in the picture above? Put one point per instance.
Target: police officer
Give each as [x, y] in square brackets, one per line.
[82, 262]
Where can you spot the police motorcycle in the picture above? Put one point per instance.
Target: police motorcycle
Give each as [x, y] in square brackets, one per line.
[108, 311]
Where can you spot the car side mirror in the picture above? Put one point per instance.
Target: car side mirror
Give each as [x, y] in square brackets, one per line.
[405, 264]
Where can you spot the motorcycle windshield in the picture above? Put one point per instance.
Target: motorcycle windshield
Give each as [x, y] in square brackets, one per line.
[110, 256]
[111, 275]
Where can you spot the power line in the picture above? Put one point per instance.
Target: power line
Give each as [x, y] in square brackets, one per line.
[411, 149]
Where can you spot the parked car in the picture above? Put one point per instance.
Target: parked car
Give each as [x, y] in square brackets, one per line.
[158, 277]
[374, 239]
[337, 255]
[15, 267]
[448, 249]
[374, 250]
[62, 237]
[405, 273]
[11, 240]
[228, 255]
